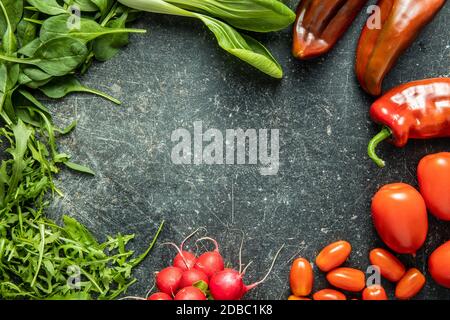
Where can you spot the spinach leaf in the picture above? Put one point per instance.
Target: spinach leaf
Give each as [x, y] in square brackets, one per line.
[30, 48]
[103, 5]
[60, 87]
[50, 7]
[252, 15]
[57, 57]
[55, 27]
[26, 31]
[107, 46]
[86, 5]
[14, 8]
[9, 41]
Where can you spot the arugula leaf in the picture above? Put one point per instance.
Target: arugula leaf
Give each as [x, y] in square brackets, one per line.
[89, 30]
[50, 7]
[79, 168]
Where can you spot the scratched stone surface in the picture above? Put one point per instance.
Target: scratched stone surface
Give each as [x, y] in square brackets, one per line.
[175, 75]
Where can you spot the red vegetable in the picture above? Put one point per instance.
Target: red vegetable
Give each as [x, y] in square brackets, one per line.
[210, 262]
[190, 293]
[439, 265]
[190, 277]
[410, 285]
[347, 279]
[228, 284]
[329, 294]
[400, 217]
[374, 292]
[168, 280]
[160, 296]
[333, 255]
[390, 267]
[433, 173]
[301, 277]
[184, 260]
[380, 47]
[416, 110]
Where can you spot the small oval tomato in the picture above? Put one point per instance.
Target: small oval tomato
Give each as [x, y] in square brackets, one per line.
[433, 174]
[400, 217]
[390, 267]
[439, 265]
[292, 297]
[410, 285]
[348, 279]
[333, 255]
[301, 277]
[159, 296]
[374, 292]
[329, 294]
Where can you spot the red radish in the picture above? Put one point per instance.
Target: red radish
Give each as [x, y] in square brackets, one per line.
[228, 284]
[190, 293]
[160, 296]
[210, 262]
[184, 260]
[168, 280]
[190, 277]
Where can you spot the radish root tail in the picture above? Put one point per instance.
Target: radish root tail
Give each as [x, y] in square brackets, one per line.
[251, 286]
[212, 240]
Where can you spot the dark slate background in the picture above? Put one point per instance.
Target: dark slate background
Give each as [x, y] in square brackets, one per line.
[176, 74]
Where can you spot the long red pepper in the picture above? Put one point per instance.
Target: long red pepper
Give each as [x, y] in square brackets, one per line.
[320, 24]
[379, 48]
[416, 110]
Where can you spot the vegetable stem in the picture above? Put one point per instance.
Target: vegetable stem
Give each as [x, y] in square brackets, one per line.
[371, 148]
[101, 94]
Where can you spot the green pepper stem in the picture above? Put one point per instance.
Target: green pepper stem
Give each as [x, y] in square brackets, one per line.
[381, 136]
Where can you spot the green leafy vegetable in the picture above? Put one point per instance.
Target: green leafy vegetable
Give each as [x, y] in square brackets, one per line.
[89, 30]
[50, 7]
[61, 87]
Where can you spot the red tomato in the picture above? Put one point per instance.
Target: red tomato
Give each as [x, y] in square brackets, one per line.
[390, 267]
[374, 292]
[333, 255]
[410, 285]
[301, 277]
[439, 265]
[292, 297]
[329, 294]
[433, 174]
[348, 279]
[400, 217]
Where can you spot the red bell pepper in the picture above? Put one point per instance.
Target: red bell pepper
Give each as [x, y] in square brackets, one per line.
[417, 110]
[379, 48]
[320, 24]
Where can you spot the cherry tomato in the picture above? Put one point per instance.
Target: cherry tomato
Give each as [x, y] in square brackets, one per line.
[159, 296]
[410, 285]
[439, 265]
[329, 294]
[348, 279]
[374, 292]
[390, 267]
[292, 297]
[333, 255]
[400, 217]
[301, 277]
[433, 174]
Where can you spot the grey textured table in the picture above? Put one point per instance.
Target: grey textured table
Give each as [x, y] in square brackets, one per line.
[176, 74]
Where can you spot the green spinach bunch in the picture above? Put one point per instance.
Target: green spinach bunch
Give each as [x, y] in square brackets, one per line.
[40, 53]
[223, 16]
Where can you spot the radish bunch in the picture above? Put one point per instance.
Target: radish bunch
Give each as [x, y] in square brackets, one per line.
[192, 277]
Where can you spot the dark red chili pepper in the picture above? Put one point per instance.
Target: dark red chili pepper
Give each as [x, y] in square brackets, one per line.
[416, 110]
[320, 24]
[379, 48]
